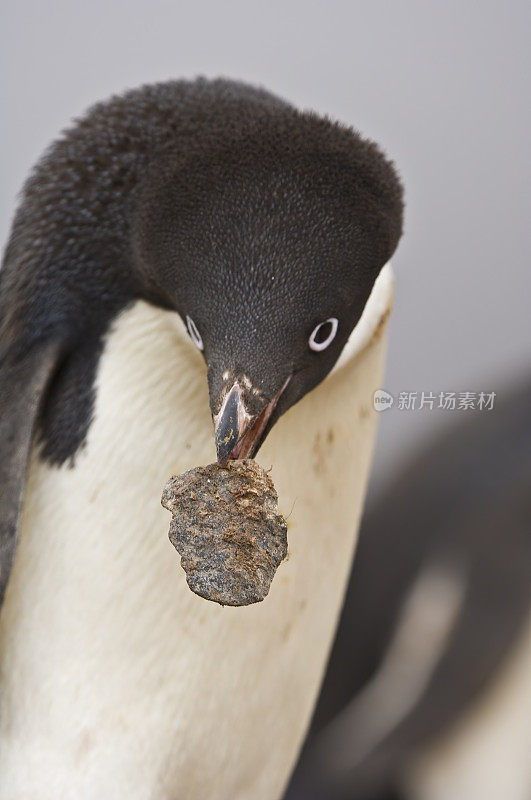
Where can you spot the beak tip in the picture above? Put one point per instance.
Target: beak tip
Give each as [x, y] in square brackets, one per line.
[223, 452]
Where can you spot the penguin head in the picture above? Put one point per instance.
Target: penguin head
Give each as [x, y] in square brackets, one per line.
[269, 249]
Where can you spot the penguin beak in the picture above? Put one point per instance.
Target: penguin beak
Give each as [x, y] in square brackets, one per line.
[238, 433]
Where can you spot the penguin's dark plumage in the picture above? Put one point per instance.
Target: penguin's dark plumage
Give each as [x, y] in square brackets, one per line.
[254, 221]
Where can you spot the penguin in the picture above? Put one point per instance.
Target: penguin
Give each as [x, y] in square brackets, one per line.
[428, 691]
[196, 270]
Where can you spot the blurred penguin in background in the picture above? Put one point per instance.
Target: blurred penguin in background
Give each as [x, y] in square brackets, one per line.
[428, 690]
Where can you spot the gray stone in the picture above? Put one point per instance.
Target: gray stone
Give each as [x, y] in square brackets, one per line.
[228, 531]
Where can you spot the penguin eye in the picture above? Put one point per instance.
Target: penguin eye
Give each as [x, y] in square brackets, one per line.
[323, 334]
[195, 336]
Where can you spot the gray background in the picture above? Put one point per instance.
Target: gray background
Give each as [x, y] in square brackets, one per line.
[443, 86]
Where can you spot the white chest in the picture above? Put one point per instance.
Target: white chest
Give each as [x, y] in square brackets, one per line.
[117, 681]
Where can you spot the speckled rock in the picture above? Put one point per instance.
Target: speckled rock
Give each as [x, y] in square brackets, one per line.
[228, 531]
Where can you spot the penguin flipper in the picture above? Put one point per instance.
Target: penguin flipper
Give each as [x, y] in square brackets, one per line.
[23, 383]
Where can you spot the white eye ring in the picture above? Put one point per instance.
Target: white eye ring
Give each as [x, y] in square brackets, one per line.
[318, 346]
[195, 336]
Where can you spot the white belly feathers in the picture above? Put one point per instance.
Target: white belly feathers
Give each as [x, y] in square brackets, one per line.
[117, 681]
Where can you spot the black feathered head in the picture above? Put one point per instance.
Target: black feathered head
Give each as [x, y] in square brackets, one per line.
[267, 238]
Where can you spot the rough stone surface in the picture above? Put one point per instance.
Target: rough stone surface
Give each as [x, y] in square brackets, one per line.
[228, 531]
